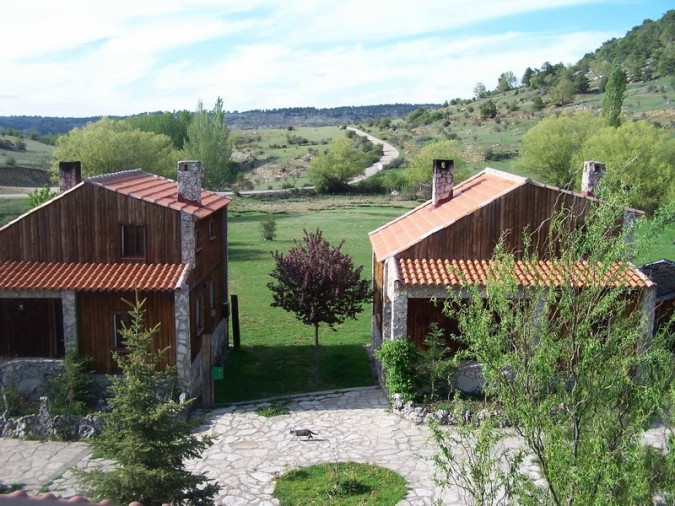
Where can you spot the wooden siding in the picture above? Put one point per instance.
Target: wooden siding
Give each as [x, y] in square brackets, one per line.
[95, 325]
[421, 314]
[476, 235]
[85, 226]
[31, 328]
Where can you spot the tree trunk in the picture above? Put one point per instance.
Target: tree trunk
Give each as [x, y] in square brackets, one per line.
[317, 371]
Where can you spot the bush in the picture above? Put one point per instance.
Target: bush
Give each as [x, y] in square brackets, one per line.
[268, 228]
[400, 359]
[14, 402]
[73, 387]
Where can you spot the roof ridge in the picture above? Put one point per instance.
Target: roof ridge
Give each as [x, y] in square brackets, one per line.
[110, 176]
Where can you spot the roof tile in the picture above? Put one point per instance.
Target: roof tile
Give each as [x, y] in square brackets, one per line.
[424, 220]
[94, 277]
[158, 190]
[436, 272]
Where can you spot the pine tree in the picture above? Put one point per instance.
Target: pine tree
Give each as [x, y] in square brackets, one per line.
[146, 432]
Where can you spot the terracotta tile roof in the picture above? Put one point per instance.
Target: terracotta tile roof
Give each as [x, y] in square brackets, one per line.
[158, 190]
[92, 277]
[469, 195]
[542, 273]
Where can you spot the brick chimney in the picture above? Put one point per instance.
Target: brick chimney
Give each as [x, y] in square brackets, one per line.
[70, 175]
[442, 184]
[590, 178]
[190, 181]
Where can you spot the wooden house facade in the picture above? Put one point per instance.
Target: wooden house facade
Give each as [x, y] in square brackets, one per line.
[458, 230]
[68, 266]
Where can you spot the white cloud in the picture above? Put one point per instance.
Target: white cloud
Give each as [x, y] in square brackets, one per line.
[128, 56]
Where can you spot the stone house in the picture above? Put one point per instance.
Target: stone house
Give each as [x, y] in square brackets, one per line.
[68, 266]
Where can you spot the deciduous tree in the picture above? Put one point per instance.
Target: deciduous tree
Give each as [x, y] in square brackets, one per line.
[209, 141]
[332, 169]
[550, 149]
[419, 170]
[147, 433]
[571, 366]
[615, 91]
[639, 156]
[110, 145]
[318, 283]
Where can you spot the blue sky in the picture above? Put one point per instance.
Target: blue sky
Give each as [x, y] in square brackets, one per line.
[89, 57]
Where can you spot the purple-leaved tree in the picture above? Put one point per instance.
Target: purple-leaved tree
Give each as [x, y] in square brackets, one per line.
[318, 283]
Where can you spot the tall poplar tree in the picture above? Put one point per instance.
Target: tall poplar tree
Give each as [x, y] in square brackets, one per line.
[615, 92]
[210, 142]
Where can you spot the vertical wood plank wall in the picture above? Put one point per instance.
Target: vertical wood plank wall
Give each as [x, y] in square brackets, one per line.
[95, 326]
[85, 226]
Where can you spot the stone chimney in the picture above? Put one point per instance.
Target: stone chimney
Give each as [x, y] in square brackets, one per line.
[190, 181]
[70, 175]
[590, 178]
[442, 184]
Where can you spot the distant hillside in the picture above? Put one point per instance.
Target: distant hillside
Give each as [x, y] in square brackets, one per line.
[646, 52]
[258, 118]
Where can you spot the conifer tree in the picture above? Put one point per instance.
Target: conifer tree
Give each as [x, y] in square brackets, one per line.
[147, 433]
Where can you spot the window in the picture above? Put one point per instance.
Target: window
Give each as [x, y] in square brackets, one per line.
[120, 321]
[212, 231]
[212, 297]
[198, 245]
[133, 241]
[199, 315]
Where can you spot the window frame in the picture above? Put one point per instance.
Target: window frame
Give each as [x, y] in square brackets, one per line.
[119, 318]
[140, 251]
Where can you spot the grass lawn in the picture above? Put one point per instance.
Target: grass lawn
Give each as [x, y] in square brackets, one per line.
[11, 208]
[344, 483]
[277, 352]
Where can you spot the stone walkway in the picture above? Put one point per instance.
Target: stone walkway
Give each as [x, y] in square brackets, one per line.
[250, 451]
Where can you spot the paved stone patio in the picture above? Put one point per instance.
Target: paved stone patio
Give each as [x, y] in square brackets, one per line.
[250, 451]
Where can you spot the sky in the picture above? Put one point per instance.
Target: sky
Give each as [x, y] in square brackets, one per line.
[93, 57]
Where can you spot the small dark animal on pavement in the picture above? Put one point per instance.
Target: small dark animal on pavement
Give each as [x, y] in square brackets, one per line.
[303, 432]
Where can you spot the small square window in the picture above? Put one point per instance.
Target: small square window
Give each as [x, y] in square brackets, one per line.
[121, 321]
[133, 241]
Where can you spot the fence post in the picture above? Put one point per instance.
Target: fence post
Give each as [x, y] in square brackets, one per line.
[236, 336]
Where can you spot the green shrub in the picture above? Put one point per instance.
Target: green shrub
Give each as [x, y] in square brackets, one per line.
[268, 228]
[14, 402]
[73, 387]
[400, 359]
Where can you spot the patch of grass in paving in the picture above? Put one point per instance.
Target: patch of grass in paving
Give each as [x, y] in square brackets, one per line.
[344, 483]
[272, 410]
[277, 353]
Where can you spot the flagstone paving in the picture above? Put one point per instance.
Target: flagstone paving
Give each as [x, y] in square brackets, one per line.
[250, 451]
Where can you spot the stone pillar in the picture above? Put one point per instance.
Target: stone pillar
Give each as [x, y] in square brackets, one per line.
[591, 176]
[647, 308]
[187, 239]
[442, 184]
[69, 310]
[183, 352]
[399, 314]
[190, 181]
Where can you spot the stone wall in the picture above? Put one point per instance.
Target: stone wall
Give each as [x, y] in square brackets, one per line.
[31, 376]
[469, 377]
